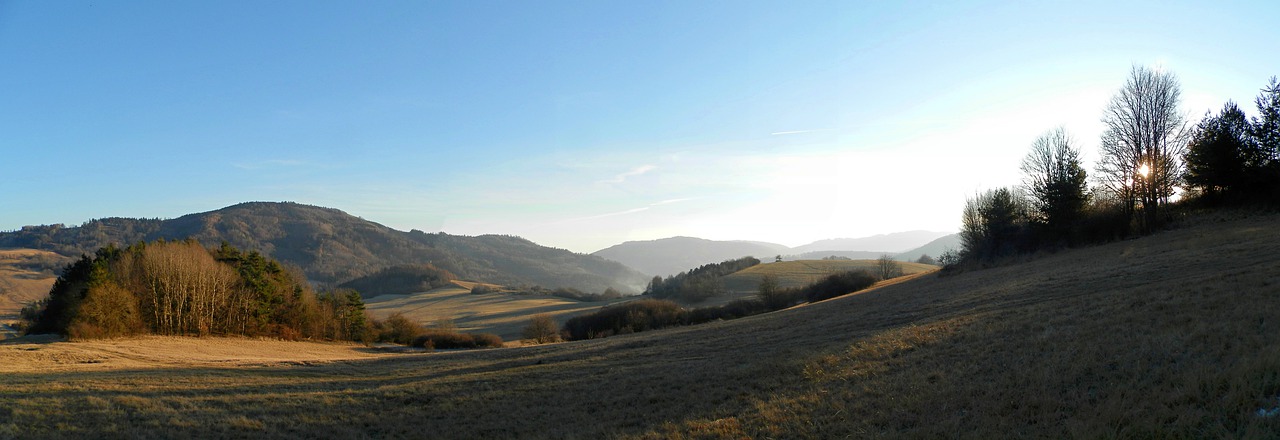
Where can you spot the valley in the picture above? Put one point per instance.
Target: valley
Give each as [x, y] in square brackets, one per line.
[1171, 335]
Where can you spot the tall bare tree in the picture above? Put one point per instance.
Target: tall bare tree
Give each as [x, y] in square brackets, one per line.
[1143, 145]
[1055, 181]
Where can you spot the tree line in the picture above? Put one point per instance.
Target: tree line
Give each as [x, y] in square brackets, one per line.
[1149, 156]
[699, 284]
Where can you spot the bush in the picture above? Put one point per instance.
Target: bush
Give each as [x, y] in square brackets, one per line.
[481, 289]
[839, 284]
[452, 340]
[635, 316]
[398, 329]
[542, 329]
[737, 309]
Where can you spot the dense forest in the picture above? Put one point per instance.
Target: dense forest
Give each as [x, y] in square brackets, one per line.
[183, 288]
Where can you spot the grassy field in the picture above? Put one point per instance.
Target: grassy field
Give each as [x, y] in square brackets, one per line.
[503, 314]
[1171, 336]
[804, 272]
[21, 283]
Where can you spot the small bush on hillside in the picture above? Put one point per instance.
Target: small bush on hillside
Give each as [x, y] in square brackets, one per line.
[481, 289]
[398, 329]
[542, 329]
[887, 267]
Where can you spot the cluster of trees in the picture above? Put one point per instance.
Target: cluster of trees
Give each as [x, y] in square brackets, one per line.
[399, 329]
[698, 284]
[1148, 157]
[182, 288]
[1231, 158]
[652, 314]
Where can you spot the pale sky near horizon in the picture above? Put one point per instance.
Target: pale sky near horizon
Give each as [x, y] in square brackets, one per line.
[581, 124]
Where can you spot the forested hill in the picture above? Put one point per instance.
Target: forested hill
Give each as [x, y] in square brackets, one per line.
[332, 246]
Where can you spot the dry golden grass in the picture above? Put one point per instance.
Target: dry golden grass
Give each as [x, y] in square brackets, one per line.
[503, 314]
[1171, 336]
[20, 285]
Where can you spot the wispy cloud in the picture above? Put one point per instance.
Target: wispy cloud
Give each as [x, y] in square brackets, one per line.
[632, 210]
[781, 133]
[637, 171]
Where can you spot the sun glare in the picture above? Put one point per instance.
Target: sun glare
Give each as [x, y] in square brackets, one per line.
[1144, 171]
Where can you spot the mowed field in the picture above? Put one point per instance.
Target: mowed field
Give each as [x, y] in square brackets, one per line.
[21, 284]
[1171, 336]
[503, 314]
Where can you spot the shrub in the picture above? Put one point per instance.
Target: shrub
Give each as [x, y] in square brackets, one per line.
[839, 284]
[398, 329]
[635, 316]
[452, 340]
[481, 289]
[887, 267]
[542, 329]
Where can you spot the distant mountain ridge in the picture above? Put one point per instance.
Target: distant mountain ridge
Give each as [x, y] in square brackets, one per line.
[669, 256]
[882, 243]
[331, 246]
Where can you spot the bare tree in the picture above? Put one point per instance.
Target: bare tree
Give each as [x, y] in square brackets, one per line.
[1055, 181]
[1143, 145]
[542, 329]
[887, 267]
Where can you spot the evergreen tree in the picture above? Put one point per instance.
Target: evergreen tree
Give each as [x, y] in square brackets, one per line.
[1222, 153]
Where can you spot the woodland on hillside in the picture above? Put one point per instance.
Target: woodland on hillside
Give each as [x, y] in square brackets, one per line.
[1153, 166]
[332, 247]
[182, 288]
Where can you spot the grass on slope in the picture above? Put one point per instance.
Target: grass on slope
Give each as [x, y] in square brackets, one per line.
[26, 275]
[503, 314]
[804, 272]
[1171, 336]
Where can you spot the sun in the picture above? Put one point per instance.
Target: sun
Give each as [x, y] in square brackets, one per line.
[1144, 170]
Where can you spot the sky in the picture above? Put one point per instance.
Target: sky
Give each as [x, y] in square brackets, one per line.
[581, 124]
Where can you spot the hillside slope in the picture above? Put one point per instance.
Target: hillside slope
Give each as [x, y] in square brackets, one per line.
[669, 256]
[1170, 336]
[332, 246]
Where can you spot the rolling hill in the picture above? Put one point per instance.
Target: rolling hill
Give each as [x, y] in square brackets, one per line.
[933, 248]
[501, 313]
[1168, 336]
[670, 256]
[331, 246]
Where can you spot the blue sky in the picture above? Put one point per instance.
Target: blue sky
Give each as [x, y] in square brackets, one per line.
[580, 124]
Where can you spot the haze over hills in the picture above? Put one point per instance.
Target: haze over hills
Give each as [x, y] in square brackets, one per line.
[331, 246]
[670, 256]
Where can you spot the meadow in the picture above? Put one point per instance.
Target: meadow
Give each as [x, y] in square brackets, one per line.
[1174, 335]
[501, 313]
